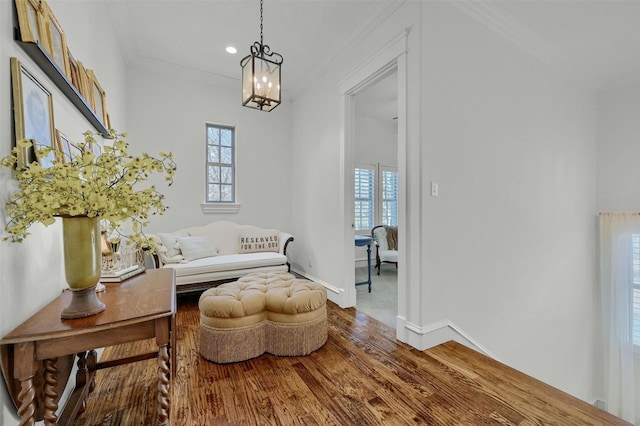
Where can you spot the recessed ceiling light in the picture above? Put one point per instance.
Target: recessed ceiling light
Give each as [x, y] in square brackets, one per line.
[232, 50]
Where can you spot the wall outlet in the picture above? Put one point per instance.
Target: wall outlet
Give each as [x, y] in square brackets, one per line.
[309, 262]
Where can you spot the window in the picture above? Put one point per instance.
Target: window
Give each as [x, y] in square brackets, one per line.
[220, 186]
[389, 198]
[364, 197]
[376, 199]
[634, 300]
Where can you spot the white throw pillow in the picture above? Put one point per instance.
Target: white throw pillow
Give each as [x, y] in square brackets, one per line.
[197, 247]
[170, 240]
[260, 241]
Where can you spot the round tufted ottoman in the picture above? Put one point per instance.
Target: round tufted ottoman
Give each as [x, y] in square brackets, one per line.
[262, 312]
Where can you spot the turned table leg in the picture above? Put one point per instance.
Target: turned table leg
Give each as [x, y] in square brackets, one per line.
[25, 369]
[50, 391]
[162, 339]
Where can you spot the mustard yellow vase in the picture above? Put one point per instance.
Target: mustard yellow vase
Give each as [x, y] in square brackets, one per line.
[82, 261]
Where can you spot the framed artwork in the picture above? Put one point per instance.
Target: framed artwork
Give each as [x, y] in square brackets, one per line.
[73, 70]
[32, 111]
[56, 41]
[98, 99]
[31, 22]
[83, 79]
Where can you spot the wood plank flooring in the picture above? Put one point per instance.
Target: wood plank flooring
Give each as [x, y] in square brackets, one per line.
[362, 376]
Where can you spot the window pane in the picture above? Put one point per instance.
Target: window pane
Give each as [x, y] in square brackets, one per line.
[226, 137]
[214, 154]
[213, 135]
[214, 193]
[226, 155]
[214, 174]
[226, 193]
[227, 175]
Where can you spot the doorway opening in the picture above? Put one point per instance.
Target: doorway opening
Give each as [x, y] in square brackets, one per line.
[375, 158]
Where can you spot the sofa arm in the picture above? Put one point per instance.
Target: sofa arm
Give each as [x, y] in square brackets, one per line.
[285, 239]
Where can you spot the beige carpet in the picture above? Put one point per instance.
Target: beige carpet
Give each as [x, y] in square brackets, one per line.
[382, 302]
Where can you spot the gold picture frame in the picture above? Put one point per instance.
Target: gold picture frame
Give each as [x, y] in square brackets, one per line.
[98, 97]
[31, 22]
[83, 80]
[56, 44]
[73, 70]
[32, 112]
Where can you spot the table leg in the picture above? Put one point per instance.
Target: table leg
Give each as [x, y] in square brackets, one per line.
[162, 338]
[369, 266]
[92, 360]
[50, 391]
[82, 377]
[25, 368]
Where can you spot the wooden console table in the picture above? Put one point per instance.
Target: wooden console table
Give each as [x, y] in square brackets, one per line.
[139, 308]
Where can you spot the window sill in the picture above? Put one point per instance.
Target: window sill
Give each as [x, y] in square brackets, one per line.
[220, 208]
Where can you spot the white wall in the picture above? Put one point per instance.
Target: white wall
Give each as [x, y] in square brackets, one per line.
[509, 245]
[507, 250]
[31, 273]
[619, 148]
[168, 110]
[376, 141]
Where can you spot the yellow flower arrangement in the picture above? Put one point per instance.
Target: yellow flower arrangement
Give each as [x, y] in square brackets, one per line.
[86, 185]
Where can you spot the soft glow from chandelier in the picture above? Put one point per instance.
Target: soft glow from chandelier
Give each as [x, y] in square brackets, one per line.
[261, 76]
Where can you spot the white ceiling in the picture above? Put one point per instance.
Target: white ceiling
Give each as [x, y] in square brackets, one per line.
[597, 40]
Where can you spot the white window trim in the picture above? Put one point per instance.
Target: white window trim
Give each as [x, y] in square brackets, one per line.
[220, 208]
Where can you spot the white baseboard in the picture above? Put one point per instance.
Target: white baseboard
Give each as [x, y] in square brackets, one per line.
[434, 334]
[334, 293]
[420, 337]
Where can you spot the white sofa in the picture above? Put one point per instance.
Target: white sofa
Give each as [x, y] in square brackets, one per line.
[206, 256]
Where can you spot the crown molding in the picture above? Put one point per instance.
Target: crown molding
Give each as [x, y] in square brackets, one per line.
[516, 32]
[357, 34]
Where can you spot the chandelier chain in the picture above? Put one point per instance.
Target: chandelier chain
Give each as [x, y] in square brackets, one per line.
[261, 22]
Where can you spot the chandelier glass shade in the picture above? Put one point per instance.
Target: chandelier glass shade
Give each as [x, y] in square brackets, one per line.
[261, 76]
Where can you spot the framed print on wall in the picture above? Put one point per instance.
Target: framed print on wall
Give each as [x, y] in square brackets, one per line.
[98, 98]
[31, 22]
[83, 80]
[73, 70]
[56, 41]
[32, 113]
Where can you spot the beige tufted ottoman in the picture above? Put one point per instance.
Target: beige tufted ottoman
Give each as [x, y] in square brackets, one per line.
[262, 312]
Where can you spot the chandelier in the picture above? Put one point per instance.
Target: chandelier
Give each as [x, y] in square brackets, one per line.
[261, 76]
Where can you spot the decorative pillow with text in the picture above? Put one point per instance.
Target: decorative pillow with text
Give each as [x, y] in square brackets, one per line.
[258, 242]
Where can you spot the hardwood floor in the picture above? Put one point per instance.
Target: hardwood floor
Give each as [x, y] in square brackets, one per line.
[361, 376]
